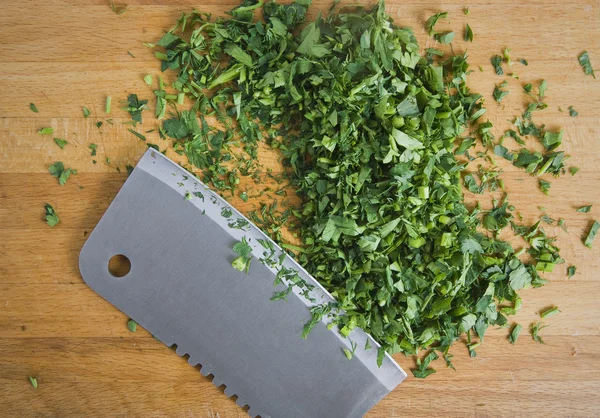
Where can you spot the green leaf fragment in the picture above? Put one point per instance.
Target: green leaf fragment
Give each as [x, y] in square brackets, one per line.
[571, 270]
[584, 209]
[468, 33]
[584, 61]
[60, 142]
[514, 334]
[46, 131]
[132, 325]
[86, 112]
[33, 108]
[535, 330]
[33, 382]
[592, 234]
[51, 216]
[549, 312]
[572, 112]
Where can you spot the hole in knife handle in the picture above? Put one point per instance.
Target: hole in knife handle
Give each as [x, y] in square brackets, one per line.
[119, 266]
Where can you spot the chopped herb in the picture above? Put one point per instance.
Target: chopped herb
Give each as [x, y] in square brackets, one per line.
[423, 371]
[130, 54]
[527, 87]
[132, 325]
[542, 88]
[445, 37]
[562, 224]
[350, 353]
[99, 124]
[466, 11]
[46, 131]
[372, 156]
[429, 25]
[535, 330]
[153, 146]
[497, 63]
[33, 382]
[58, 170]
[244, 196]
[573, 112]
[573, 170]
[51, 216]
[506, 57]
[148, 79]
[60, 142]
[584, 209]
[33, 108]
[107, 105]
[139, 135]
[523, 61]
[514, 334]
[468, 33]
[571, 270]
[93, 148]
[129, 169]
[584, 60]
[549, 312]
[592, 234]
[500, 94]
[135, 108]
[86, 112]
[545, 186]
[244, 251]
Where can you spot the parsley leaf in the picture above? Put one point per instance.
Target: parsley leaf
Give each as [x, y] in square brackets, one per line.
[132, 325]
[496, 61]
[58, 170]
[535, 330]
[468, 33]
[584, 61]
[429, 25]
[60, 142]
[244, 251]
[573, 112]
[51, 216]
[86, 112]
[571, 270]
[514, 334]
[46, 131]
[584, 209]
[592, 234]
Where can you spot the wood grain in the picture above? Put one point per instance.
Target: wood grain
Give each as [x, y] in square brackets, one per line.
[72, 54]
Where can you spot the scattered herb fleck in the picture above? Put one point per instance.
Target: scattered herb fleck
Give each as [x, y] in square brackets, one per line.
[584, 60]
[592, 234]
[132, 325]
[33, 108]
[573, 112]
[549, 312]
[46, 131]
[584, 209]
[535, 332]
[60, 142]
[58, 170]
[514, 334]
[51, 216]
[33, 382]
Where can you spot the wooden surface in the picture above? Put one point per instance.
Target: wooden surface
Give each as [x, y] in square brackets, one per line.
[62, 55]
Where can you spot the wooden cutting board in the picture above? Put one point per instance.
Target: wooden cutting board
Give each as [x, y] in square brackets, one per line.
[63, 55]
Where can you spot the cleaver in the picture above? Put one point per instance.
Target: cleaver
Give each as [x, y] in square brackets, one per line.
[177, 236]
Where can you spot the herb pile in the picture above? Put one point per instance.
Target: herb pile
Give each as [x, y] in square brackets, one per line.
[367, 127]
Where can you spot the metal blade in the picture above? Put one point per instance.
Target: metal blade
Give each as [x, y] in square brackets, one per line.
[183, 289]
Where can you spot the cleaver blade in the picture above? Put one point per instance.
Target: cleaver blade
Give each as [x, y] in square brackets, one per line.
[182, 288]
